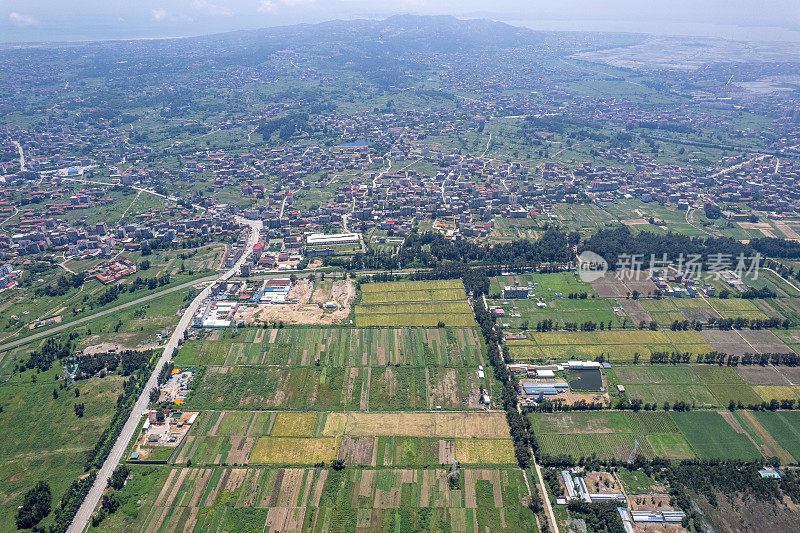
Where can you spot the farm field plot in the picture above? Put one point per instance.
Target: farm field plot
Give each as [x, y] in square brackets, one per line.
[769, 374]
[712, 436]
[790, 337]
[485, 451]
[361, 347]
[667, 310]
[222, 437]
[418, 295]
[294, 424]
[701, 385]
[426, 314]
[414, 304]
[410, 286]
[785, 308]
[332, 388]
[294, 450]
[726, 385]
[42, 437]
[480, 425]
[547, 286]
[316, 500]
[613, 285]
[609, 434]
[740, 342]
[784, 427]
[561, 310]
[262, 387]
[778, 392]
[618, 346]
[404, 388]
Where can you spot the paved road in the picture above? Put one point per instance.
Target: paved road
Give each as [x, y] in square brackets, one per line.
[21, 155]
[81, 520]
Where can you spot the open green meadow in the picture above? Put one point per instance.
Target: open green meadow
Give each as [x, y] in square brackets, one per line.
[43, 439]
[547, 286]
[522, 313]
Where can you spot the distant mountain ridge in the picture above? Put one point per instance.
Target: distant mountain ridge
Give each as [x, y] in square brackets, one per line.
[400, 32]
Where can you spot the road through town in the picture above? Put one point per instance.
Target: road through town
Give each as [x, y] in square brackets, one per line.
[81, 519]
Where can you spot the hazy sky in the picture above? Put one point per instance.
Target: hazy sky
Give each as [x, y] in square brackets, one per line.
[36, 20]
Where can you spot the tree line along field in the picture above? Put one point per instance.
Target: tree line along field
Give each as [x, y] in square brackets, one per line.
[414, 304]
[340, 347]
[275, 499]
[673, 435]
[615, 346]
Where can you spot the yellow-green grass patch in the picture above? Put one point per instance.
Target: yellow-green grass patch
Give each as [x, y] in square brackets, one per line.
[777, 392]
[481, 425]
[294, 425]
[600, 337]
[294, 450]
[485, 451]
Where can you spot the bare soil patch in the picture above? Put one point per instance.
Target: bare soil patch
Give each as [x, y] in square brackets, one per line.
[356, 450]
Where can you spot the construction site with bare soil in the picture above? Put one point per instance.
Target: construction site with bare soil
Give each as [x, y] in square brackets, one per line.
[308, 302]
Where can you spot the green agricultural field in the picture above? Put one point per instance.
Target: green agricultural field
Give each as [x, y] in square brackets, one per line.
[617, 346]
[414, 304]
[319, 388]
[698, 385]
[272, 499]
[546, 286]
[603, 445]
[407, 451]
[726, 385]
[637, 482]
[519, 313]
[356, 347]
[668, 310]
[784, 427]
[609, 434]
[294, 450]
[305, 388]
[711, 436]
